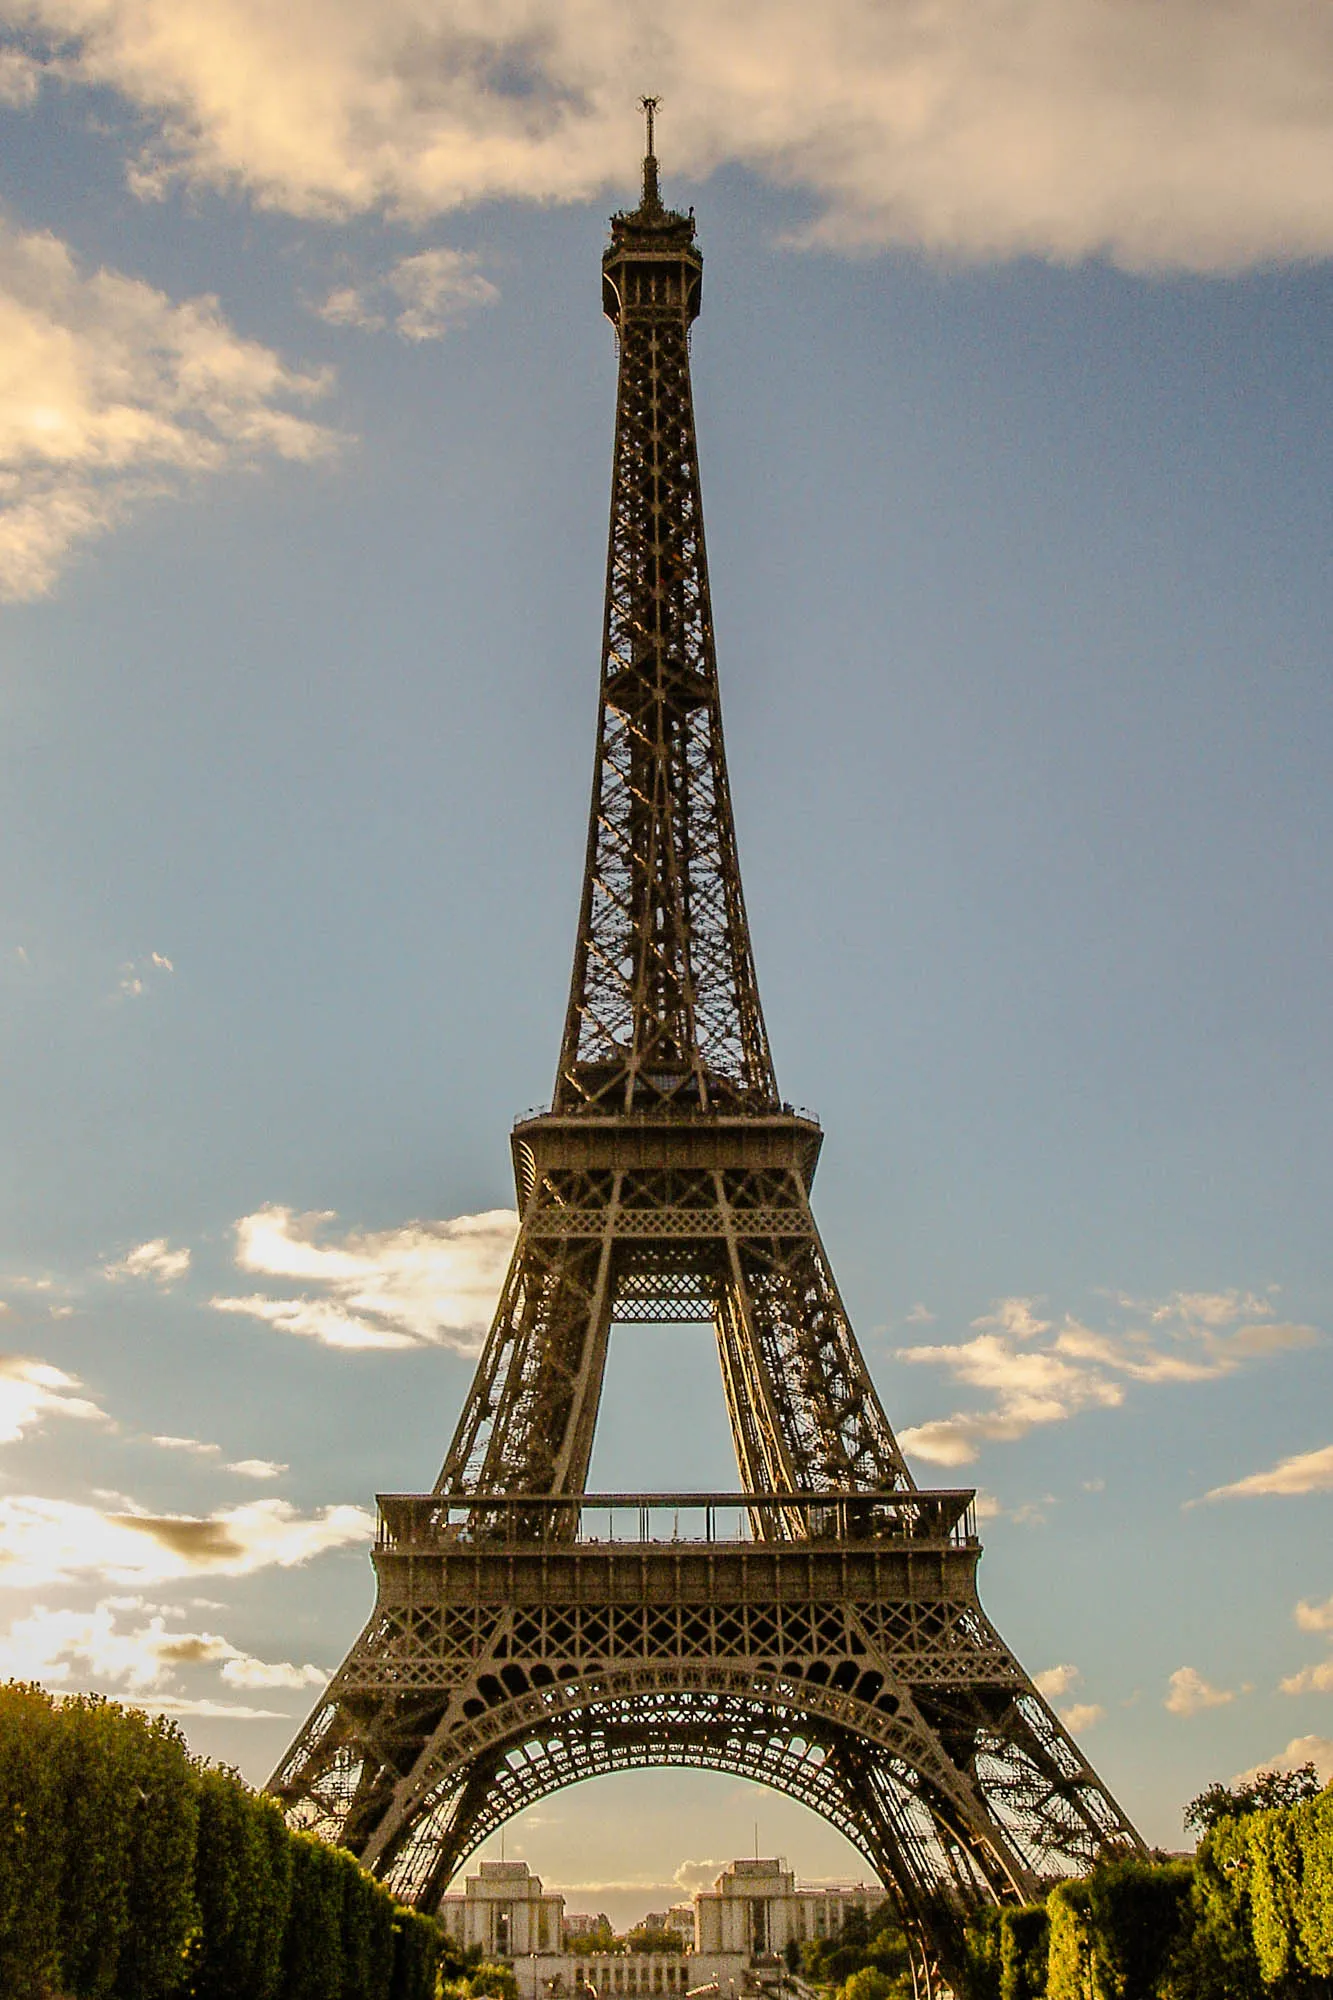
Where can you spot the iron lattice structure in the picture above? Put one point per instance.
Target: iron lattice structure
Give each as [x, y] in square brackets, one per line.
[820, 1631]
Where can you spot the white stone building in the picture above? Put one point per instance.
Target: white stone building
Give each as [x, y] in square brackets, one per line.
[755, 1909]
[504, 1910]
[735, 1933]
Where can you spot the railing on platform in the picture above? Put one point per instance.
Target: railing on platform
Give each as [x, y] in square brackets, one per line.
[662, 1113]
[432, 1520]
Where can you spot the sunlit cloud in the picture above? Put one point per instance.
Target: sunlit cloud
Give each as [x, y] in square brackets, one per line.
[257, 1468]
[692, 1875]
[31, 1391]
[1159, 135]
[50, 1541]
[195, 1446]
[243, 1672]
[1055, 1681]
[155, 1260]
[1315, 1617]
[1188, 1693]
[112, 394]
[423, 1284]
[1317, 1679]
[137, 975]
[422, 297]
[205, 1710]
[99, 1648]
[1316, 1750]
[1081, 1715]
[1040, 1371]
[1304, 1472]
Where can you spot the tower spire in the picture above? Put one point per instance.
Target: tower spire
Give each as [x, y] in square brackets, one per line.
[664, 1006]
[652, 198]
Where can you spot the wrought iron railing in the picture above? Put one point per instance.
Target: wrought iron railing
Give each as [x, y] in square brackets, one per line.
[429, 1521]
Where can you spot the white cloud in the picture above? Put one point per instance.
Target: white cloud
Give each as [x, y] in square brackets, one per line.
[1081, 1715]
[1040, 1371]
[151, 1260]
[315, 1319]
[1189, 1693]
[1316, 1750]
[51, 1541]
[1315, 1617]
[110, 393]
[1159, 132]
[1317, 1679]
[231, 1711]
[94, 1649]
[194, 1445]
[136, 975]
[1055, 1681]
[1304, 1472]
[243, 1672]
[32, 1390]
[425, 1283]
[257, 1468]
[422, 296]
[1014, 1317]
[692, 1875]
[53, 1646]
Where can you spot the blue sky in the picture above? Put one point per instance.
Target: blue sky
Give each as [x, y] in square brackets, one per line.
[1013, 386]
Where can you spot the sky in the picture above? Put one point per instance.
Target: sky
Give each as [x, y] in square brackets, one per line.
[1013, 386]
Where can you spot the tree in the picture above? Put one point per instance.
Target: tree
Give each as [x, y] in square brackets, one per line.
[243, 1881]
[312, 1957]
[869, 1984]
[1139, 1912]
[653, 1937]
[30, 1842]
[164, 1821]
[1267, 1791]
[497, 1982]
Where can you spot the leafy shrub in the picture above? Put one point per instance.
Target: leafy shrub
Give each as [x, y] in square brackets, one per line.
[98, 1749]
[30, 1807]
[130, 1872]
[1024, 1950]
[243, 1880]
[164, 1819]
[497, 1981]
[868, 1984]
[417, 1955]
[1137, 1910]
[1069, 1965]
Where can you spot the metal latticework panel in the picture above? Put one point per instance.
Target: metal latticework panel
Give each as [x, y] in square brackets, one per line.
[836, 1649]
[732, 1242]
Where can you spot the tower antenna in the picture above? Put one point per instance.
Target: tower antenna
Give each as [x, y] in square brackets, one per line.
[651, 196]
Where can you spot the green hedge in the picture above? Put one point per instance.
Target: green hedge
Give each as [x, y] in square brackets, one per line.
[128, 1871]
[1250, 1918]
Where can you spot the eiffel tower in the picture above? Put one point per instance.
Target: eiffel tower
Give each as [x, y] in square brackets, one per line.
[819, 1630]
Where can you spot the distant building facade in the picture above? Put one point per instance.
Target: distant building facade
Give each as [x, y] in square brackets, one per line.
[505, 1911]
[731, 1933]
[755, 1909]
